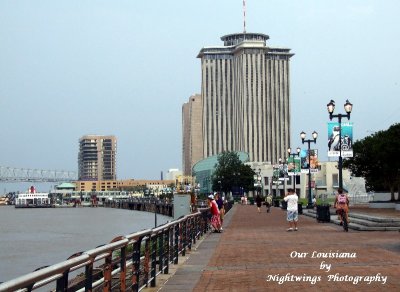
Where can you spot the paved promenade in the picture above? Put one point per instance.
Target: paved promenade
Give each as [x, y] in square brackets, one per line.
[256, 253]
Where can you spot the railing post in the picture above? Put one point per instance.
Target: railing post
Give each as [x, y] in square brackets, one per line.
[107, 273]
[122, 275]
[89, 276]
[147, 261]
[62, 283]
[161, 252]
[191, 226]
[171, 244]
[153, 260]
[136, 264]
[167, 249]
[184, 237]
[176, 243]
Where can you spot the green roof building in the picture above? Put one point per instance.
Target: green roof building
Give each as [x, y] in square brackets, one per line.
[204, 169]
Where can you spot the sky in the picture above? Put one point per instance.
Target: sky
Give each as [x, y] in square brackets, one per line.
[69, 68]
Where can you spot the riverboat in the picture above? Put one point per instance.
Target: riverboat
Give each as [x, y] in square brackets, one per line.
[33, 200]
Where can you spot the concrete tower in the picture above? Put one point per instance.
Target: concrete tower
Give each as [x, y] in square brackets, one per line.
[245, 94]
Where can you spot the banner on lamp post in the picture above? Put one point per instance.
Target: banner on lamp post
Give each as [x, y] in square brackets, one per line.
[280, 172]
[346, 139]
[314, 164]
[293, 165]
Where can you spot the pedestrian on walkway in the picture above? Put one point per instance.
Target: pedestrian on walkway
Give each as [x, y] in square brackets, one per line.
[314, 202]
[258, 202]
[292, 213]
[215, 220]
[342, 203]
[268, 202]
[221, 208]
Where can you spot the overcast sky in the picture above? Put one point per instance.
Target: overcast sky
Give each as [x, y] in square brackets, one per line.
[74, 67]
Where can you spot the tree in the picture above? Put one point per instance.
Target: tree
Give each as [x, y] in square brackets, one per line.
[231, 173]
[376, 158]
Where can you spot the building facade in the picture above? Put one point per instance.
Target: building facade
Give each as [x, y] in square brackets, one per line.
[192, 123]
[122, 185]
[97, 158]
[245, 93]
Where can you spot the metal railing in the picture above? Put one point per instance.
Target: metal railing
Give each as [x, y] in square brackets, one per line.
[130, 262]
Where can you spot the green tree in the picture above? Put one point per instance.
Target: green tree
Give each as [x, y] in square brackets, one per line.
[231, 173]
[376, 158]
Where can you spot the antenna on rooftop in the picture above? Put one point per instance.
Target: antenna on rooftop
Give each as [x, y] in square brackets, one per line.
[244, 16]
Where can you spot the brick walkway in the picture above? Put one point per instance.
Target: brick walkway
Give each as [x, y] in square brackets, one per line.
[256, 251]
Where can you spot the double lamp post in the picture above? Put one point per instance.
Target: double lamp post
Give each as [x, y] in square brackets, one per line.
[308, 141]
[348, 108]
[297, 153]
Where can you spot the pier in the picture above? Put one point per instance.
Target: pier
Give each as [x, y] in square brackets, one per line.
[147, 205]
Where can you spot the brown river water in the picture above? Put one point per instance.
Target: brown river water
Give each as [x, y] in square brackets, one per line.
[33, 238]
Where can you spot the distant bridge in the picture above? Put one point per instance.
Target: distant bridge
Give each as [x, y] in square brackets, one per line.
[10, 174]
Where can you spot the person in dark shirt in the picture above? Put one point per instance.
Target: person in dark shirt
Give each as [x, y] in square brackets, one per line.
[258, 202]
[221, 208]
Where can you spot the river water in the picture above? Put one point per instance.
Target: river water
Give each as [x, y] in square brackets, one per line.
[33, 238]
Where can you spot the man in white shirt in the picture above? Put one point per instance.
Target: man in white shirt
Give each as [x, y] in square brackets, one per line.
[292, 214]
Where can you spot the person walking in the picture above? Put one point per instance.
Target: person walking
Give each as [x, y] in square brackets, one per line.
[314, 202]
[258, 202]
[292, 213]
[220, 202]
[268, 202]
[342, 202]
[215, 220]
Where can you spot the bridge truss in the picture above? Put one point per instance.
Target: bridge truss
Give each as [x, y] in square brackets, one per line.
[10, 174]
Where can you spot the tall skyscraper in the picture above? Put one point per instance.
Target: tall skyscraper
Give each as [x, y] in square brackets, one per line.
[192, 148]
[245, 94]
[97, 158]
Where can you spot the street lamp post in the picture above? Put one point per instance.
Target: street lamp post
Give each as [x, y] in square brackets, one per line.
[348, 108]
[258, 180]
[294, 169]
[282, 171]
[155, 212]
[236, 178]
[220, 182]
[308, 141]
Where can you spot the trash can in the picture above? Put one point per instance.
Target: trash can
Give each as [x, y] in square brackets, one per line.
[323, 213]
[276, 203]
[300, 208]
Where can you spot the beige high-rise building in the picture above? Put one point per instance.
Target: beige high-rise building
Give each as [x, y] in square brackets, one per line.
[97, 158]
[245, 92]
[192, 148]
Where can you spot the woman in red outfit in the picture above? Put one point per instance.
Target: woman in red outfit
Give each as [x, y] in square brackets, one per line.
[215, 218]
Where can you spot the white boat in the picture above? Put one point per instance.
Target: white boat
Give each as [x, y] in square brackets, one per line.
[33, 200]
